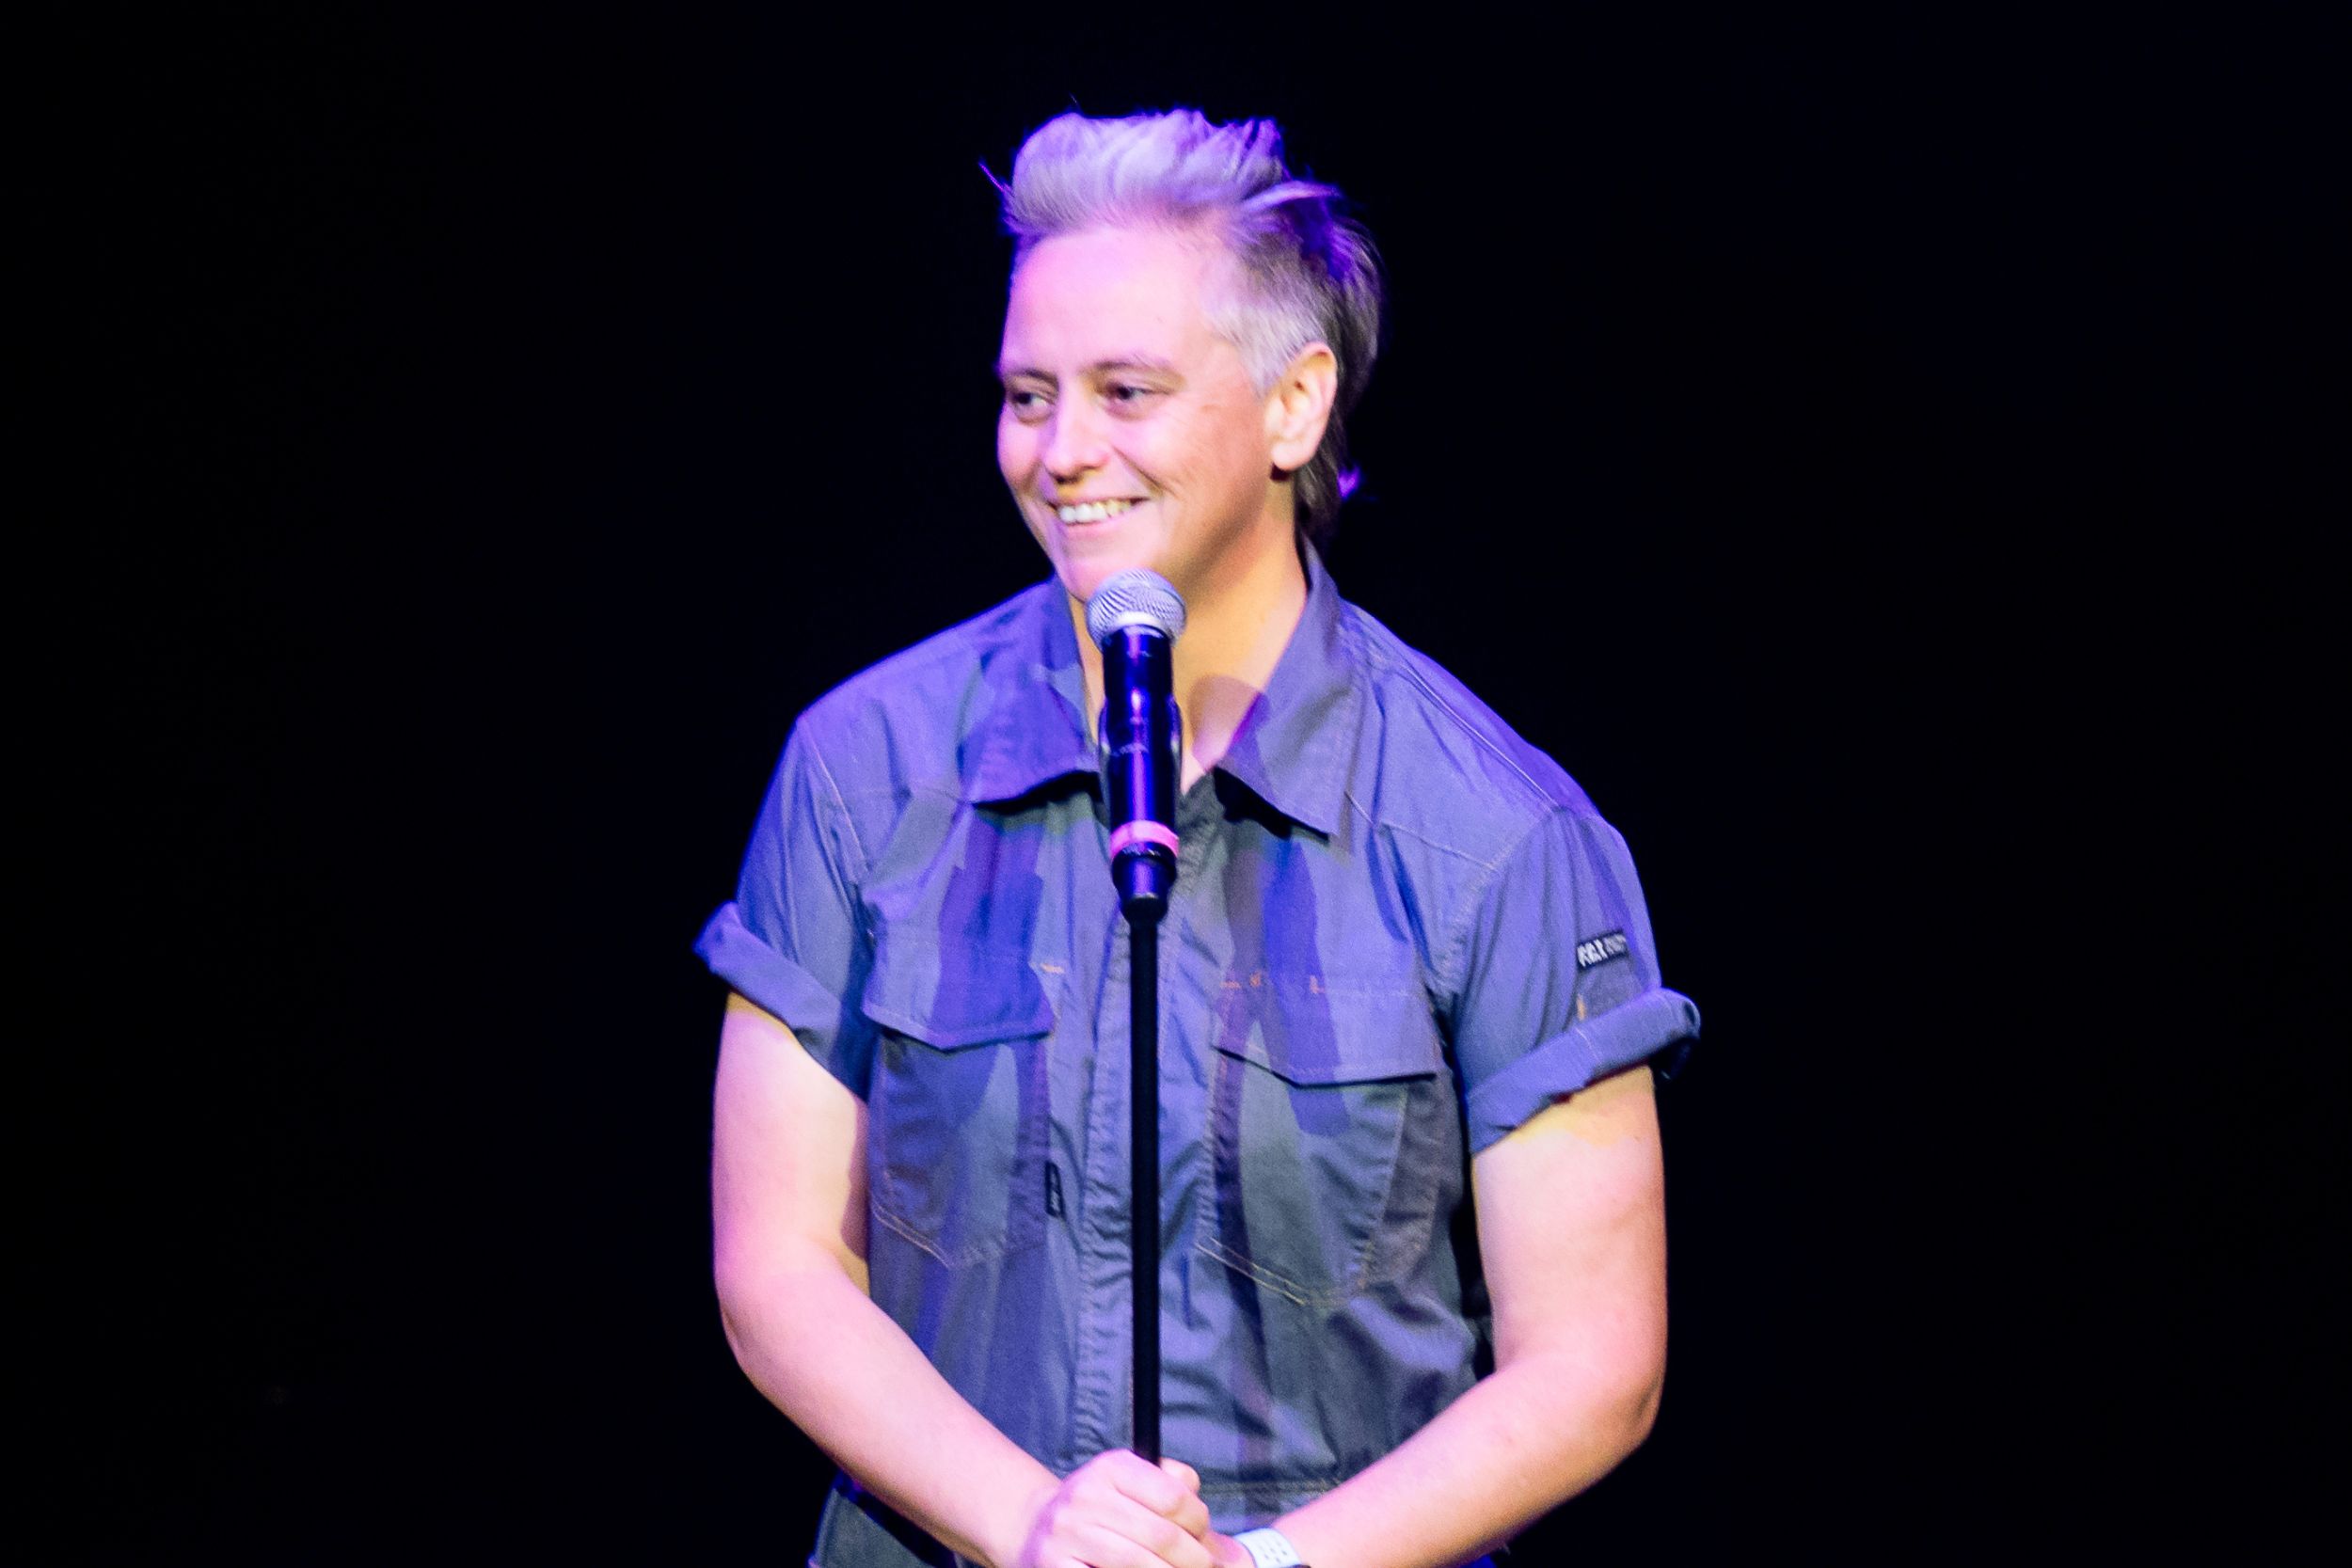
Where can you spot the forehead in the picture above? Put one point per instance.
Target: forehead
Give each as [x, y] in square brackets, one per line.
[1077, 296]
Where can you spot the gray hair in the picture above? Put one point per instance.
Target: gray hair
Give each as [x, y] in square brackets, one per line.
[1308, 274]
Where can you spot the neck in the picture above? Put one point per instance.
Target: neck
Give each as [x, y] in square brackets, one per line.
[1234, 634]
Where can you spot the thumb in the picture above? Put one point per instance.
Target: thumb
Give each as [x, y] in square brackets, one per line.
[1184, 1474]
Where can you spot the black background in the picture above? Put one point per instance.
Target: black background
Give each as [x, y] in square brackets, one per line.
[1876, 461]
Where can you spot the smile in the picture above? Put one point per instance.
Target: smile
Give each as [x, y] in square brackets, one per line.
[1091, 511]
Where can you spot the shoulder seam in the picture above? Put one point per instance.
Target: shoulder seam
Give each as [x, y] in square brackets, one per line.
[1475, 900]
[1544, 797]
[1544, 806]
[1425, 839]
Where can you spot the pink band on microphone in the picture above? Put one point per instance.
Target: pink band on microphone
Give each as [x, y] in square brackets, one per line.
[1128, 834]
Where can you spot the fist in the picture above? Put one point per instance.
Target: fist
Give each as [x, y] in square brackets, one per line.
[1116, 1510]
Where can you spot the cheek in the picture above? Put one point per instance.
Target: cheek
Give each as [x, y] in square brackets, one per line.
[1016, 448]
[1229, 447]
[1165, 455]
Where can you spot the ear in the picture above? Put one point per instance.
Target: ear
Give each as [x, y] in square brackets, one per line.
[1299, 406]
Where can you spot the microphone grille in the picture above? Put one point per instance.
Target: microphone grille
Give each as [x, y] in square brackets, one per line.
[1135, 597]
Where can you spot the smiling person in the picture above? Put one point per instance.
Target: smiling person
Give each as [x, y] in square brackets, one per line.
[1412, 1233]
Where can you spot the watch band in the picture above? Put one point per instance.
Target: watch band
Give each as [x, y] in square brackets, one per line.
[1269, 1547]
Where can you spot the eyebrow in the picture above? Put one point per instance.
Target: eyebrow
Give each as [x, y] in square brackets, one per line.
[1152, 362]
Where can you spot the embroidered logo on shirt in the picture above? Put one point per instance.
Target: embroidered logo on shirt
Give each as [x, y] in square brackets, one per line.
[1608, 945]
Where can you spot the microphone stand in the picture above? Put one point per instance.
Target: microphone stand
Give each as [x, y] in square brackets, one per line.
[1142, 744]
[1143, 1181]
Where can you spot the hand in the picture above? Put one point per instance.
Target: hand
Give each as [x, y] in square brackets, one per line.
[1118, 1512]
[1225, 1552]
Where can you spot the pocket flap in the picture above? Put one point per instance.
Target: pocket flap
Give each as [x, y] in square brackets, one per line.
[954, 997]
[1313, 1029]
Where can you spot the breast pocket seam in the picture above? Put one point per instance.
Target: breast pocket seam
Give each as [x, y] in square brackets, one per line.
[1358, 1268]
[1401, 1065]
[1025, 1223]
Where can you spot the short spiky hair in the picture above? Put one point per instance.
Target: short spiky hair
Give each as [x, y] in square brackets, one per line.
[1308, 274]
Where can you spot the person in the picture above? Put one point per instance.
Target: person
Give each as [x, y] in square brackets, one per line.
[1413, 1250]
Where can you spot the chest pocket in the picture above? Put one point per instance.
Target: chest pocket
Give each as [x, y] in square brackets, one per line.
[1331, 1120]
[957, 1114]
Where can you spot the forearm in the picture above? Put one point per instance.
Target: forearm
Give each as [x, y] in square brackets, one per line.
[813, 1341]
[1516, 1445]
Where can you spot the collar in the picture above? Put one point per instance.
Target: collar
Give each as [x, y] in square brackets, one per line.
[1292, 750]
[1033, 731]
[1294, 744]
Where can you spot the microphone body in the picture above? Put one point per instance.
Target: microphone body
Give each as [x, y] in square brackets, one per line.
[1136, 618]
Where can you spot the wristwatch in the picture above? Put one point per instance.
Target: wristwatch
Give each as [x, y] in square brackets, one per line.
[1269, 1547]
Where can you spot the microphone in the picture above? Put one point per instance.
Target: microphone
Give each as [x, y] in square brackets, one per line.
[1135, 617]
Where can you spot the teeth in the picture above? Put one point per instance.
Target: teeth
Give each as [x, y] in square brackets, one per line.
[1091, 511]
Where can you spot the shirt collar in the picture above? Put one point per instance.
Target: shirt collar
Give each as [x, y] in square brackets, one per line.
[1292, 748]
[1294, 745]
[1034, 730]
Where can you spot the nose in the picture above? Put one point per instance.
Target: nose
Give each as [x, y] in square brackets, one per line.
[1074, 441]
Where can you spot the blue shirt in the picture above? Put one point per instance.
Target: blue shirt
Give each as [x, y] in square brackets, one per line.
[1398, 931]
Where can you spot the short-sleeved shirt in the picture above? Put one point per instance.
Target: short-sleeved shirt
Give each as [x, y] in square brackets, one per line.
[1398, 931]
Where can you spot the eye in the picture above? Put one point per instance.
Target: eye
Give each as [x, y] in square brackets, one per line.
[1026, 404]
[1129, 396]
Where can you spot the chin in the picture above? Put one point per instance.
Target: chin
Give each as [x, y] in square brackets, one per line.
[1081, 578]
[1082, 581]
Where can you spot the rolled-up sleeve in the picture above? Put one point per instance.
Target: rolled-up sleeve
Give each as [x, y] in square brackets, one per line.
[1559, 981]
[791, 939]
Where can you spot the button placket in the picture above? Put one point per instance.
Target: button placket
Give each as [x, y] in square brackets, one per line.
[1102, 1405]
[1099, 1416]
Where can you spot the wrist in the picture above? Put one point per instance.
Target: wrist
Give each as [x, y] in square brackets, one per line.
[1269, 1547]
[1017, 1522]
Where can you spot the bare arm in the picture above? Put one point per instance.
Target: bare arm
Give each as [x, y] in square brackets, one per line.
[1571, 1223]
[789, 1213]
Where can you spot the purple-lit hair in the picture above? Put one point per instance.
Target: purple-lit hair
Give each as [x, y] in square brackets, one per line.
[1309, 274]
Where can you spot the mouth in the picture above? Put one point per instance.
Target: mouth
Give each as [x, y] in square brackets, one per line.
[1082, 512]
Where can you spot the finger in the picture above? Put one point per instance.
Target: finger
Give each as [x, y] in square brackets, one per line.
[1166, 1488]
[1137, 1538]
[1119, 1491]
[1162, 1542]
[1192, 1513]
[1193, 1517]
[1179, 1541]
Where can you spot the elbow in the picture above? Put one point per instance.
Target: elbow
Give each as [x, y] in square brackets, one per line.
[750, 1282]
[1584, 1419]
[732, 1305]
[1633, 1399]
[1603, 1418]
[1642, 1418]
[1629, 1389]
[735, 1334]
[769, 1297]
[1605, 1429]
